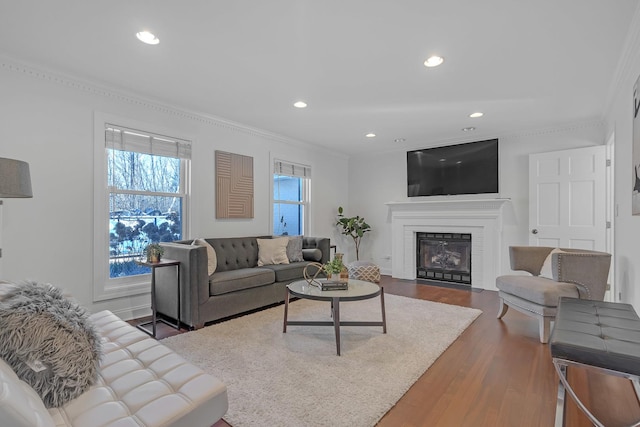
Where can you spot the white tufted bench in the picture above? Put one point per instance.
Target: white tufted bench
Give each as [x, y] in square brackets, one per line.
[141, 383]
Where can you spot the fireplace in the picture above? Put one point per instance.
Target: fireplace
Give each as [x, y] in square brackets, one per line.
[444, 257]
[483, 219]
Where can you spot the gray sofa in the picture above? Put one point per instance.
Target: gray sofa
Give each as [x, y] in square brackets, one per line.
[238, 285]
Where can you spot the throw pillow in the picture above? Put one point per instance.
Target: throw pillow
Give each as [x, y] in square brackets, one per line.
[546, 270]
[49, 342]
[272, 251]
[212, 258]
[294, 249]
[312, 255]
[6, 288]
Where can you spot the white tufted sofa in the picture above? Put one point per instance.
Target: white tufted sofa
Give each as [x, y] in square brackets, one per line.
[141, 383]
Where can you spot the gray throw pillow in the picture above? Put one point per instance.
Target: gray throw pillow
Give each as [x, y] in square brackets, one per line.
[49, 342]
[294, 249]
[312, 255]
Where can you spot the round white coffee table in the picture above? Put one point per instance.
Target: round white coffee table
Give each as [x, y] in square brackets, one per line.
[358, 290]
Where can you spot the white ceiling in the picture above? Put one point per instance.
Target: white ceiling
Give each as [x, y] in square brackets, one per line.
[358, 63]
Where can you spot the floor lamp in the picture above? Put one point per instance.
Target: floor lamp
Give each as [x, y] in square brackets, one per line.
[15, 182]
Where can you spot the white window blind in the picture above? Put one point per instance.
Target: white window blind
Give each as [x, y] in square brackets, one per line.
[125, 139]
[291, 169]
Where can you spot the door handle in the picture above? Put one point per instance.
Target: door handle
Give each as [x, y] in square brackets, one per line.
[534, 231]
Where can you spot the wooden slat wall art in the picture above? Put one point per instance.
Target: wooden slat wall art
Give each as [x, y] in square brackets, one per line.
[234, 185]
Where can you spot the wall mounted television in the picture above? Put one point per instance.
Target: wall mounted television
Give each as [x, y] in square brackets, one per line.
[470, 168]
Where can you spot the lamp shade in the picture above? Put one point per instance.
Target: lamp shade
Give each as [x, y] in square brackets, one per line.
[15, 180]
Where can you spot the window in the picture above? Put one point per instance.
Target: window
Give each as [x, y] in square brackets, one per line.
[291, 184]
[145, 201]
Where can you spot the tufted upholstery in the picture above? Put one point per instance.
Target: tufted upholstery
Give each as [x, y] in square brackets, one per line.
[597, 335]
[20, 405]
[141, 383]
[235, 253]
[237, 285]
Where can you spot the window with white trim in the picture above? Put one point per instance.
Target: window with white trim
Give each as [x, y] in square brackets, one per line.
[291, 198]
[145, 178]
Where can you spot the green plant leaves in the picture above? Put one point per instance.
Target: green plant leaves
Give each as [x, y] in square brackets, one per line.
[354, 226]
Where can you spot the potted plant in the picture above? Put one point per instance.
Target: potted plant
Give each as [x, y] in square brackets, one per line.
[355, 227]
[334, 267]
[336, 270]
[154, 252]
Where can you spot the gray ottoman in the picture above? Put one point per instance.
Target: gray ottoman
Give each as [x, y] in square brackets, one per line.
[604, 336]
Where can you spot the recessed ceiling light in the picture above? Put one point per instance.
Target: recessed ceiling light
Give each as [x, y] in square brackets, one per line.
[477, 114]
[468, 129]
[300, 104]
[433, 61]
[147, 37]
[370, 135]
[399, 140]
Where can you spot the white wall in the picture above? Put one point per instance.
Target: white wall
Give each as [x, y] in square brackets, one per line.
[378, 178]
[620, 122]
[47, 121]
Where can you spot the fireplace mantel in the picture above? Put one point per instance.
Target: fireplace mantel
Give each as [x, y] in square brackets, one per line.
[456, 204]
[482, 218]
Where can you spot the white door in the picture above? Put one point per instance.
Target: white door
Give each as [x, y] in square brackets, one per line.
[567, 199]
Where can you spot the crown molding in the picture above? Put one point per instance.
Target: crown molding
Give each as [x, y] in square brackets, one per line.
[624, 68]
[567, 127]
[73, 82]
[545, 131]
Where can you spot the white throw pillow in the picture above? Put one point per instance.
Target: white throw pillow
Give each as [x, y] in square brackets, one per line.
[212, 258]
[273, 251]
[546, 270]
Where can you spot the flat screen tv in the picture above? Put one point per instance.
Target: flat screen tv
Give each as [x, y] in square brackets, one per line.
[470, 168]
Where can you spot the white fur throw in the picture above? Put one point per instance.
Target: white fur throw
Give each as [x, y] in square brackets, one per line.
[49, 342]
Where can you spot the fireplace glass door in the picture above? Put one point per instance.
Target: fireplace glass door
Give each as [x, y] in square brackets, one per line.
[444, 257]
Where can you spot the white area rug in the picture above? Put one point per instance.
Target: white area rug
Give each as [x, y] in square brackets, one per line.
[296, 379]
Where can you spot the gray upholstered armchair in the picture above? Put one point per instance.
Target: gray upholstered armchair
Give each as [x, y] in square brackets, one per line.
[569, 272]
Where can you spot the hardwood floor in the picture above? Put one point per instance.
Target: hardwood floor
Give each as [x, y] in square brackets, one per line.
[496, 374]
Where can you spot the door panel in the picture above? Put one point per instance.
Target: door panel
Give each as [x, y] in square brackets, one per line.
[567, 198]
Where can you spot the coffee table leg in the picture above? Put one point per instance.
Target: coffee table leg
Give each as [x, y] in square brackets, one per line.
[384, 315]
[286, 310]
[335, 306]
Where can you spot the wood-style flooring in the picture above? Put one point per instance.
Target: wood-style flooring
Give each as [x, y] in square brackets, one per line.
[496, 374]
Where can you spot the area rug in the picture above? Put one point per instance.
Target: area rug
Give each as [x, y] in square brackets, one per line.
[296, 379]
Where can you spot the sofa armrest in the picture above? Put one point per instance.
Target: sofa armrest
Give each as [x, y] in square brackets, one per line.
[528, 258]
[321, 243]
[194, 283]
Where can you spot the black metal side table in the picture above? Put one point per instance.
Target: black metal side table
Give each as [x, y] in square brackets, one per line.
[153, 266]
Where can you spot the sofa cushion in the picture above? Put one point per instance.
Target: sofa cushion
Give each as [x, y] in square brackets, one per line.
[288, 272]
[212, 259]
[314, 255]
[223, 282]
[294, 249]
[272, 251]
[49, 342]
[536, 289]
